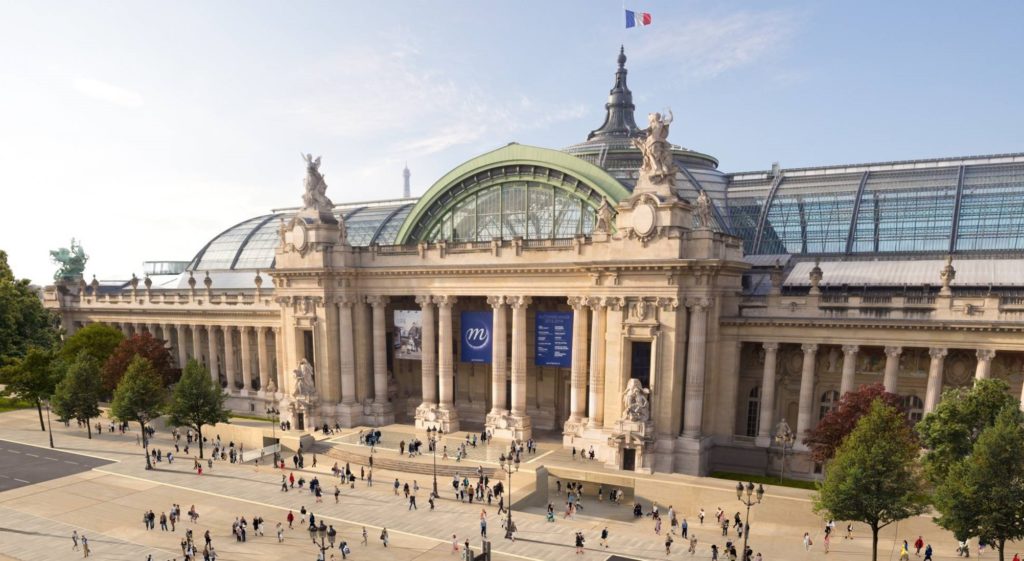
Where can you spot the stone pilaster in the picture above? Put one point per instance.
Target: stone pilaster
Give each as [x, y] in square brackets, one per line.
[211, 336]
[382, 409]
[262, 359]
[693, 408]
[892, 368]
[984, 368]
[934, 391]
[182, 346]
[766, 418]
[230, 371]
[849, 379]
[806, 411]
[197, 343]
[246, 349]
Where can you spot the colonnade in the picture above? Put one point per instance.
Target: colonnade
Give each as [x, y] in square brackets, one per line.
[805, 416]
[186, 342]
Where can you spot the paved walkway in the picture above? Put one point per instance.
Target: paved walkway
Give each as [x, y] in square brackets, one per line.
[118, 493]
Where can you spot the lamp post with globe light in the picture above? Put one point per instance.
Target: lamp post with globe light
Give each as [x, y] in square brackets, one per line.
[748, 496]
[508, 466]
[784, 437]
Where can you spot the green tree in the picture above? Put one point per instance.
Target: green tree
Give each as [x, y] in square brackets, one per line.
[24, 323]
[32, 377]
[825, 438]
[874, 478]
[983, 493]
[948, 433]
[139, 397]
[142, 344]
[77, 396]
[97, 339]
[197, 401]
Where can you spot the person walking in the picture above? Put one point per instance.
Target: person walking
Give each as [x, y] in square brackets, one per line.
[918, 544]
[604, 537]
[928, 554]
[364, 536]
[384, 537]
[85, 546]
[280, 533]
[668, 544]
[807, 541]
[579, 541]
[693, 544]
[74, 540]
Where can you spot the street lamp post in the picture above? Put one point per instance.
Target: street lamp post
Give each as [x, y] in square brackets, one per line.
[49, 429]
[749, 497]
[319, 537]
[433, 447]
[785, 438]
[507, 466]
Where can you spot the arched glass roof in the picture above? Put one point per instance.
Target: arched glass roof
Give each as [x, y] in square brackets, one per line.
[251, 244]
[925, 206]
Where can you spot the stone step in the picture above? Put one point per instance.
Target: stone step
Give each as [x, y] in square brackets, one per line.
[404, 466]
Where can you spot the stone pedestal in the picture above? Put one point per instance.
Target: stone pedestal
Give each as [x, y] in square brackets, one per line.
[347, 415]
[509, 427]
[382, 414]
[631, 438]
[433, 417]
[692, 455]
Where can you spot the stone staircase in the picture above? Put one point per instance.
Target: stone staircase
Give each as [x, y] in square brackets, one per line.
[392, 463]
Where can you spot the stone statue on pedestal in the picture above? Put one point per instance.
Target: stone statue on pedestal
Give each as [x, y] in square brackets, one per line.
[71, 260]
[705, 217]
[635, 404]
[315, 196]
[657, 166]
[304, 380]
[603, 225]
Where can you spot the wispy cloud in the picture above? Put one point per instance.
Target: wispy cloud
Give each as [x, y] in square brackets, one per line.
[109, 93]
[706, 47]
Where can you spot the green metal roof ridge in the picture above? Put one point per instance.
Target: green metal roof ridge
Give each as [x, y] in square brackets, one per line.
[595, 177]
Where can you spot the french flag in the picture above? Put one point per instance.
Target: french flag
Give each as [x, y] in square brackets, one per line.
[634, 19]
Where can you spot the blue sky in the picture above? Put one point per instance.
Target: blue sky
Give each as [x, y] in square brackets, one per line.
[146, 128]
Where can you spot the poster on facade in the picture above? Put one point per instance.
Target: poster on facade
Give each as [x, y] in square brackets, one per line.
[409, 330]
[553, 339]
[476, 337]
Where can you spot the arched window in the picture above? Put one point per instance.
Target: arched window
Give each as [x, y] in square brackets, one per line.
[829, 401]
[914, 407]
[753, 410]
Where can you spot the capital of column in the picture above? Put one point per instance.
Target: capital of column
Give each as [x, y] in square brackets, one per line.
[809, 348]
[894, 352]
[850, 350]
[496, 301]
[378, 301]
[770, 346]
[577, 303]
[517, 302]
[614, 303]
[445, 301]
[698, 303]
[346, 300]
[985, 355]
[244, 329]
[938, 352]
[424, 301]
[595, 302]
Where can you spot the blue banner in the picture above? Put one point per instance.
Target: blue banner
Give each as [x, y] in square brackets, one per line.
[553, 339]
[476, 337]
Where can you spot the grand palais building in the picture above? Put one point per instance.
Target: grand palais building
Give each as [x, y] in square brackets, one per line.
[621, 293]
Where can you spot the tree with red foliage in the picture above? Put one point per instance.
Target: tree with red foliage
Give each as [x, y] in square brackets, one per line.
[824, 439]
[141, 344]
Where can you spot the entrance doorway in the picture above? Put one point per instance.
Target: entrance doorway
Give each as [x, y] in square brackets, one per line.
[300, 420]
[629, 459]
[640, 362]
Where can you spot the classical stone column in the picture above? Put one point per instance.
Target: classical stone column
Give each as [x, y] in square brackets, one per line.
[262, 358]
[428, 359]
[211, 341]
[767, 414]
[518, 305]
[805, 414]
[578, 366]
[364, 348]
[693, 408]
[125, 329]
[892, 368]
[445, 366]
[246, 358]
[380, 349]
[499, 354]
[347, 359]
[934, 391]
[182, 345]
[984, 369]
[230, 372]
[597, 330]
[197, 342]
[279, 361]
[849, 379]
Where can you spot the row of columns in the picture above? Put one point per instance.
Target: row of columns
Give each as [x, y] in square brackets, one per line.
[805, 416]
[190, 347]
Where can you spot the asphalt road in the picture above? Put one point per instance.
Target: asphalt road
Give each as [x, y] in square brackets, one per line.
[22, 465]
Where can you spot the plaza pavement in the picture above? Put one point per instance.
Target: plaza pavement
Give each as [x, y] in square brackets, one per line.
[107, 504]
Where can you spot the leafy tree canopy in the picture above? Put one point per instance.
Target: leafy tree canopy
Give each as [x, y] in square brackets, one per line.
[97, 339]
[873, 477]
[146, 346]
[983, 493]
[825, 438]
[24, 323]
[197, 401]
[140, 394]
[32, 378]
[949, 432]
[77, 396]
